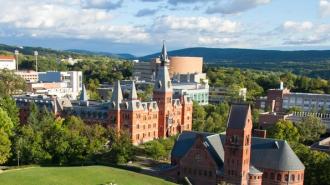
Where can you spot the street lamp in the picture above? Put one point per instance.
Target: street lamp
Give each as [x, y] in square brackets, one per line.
[16, 54]
[36, 55]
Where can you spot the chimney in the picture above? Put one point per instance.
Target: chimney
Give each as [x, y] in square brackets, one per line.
[273, 106]
[281, 85]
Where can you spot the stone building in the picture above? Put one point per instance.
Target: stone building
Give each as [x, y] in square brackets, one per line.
[234, 157]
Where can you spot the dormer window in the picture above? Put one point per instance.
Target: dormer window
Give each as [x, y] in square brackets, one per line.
[234, 139]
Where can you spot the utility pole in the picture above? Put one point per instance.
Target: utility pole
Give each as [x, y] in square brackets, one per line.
[36, 55]
[16, 54]
[18, 152]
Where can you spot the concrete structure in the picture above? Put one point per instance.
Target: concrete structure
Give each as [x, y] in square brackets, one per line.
[147, 71]
[185, 65]
[234, 157]
[7, 62]
[58, 83]
[195, 86]
[28, 76]
[323, 145]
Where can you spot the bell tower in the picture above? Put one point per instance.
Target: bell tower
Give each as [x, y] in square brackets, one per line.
[162, 94]
[238, 145]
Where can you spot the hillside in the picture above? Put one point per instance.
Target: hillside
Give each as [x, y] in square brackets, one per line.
[218, 55]
[27, 50]
[313, 63]
[91, 175]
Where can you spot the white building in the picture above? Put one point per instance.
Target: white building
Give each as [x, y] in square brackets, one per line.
[195, 86]
[7, 62]
[60, 83]
[308, 102]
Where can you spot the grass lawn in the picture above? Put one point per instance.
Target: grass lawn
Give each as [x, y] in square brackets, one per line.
[91, 175]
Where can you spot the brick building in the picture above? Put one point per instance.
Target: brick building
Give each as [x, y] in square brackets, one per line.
[161, 117]
[235, 157]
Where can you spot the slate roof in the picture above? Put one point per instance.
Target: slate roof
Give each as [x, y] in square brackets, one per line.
[265, 153]
[238, 115]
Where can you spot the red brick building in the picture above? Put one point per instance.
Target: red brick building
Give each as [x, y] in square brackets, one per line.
[235, 157]
[144, 121]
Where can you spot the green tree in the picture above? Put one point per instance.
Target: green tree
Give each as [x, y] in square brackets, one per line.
[285, 130]
[5, 146]
[10, 83]
[317, 164]
[120, 148]
[5, 123]
[310, 129]
[155, 150]
[8, 104]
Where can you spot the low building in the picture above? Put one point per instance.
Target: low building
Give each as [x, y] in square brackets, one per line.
[234, 157]
[269, 119]
[58, 83]
[282, 99]
[195, 86]
[323, 145]
[28, 76]
[222, 94]
[7, 62]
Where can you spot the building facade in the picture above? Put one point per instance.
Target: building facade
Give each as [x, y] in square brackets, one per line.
[282, 99]
[162, 117]
[57, 83]
[234, 157]
[7, 62]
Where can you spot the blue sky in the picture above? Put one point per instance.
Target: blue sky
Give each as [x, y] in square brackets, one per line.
[139, 26]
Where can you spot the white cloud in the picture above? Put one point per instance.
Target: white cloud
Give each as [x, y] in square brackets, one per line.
[197, 24]
[325, 7]
[304, 33]
[297, 26]
[101, 4]
[60, 20]
[234, 6]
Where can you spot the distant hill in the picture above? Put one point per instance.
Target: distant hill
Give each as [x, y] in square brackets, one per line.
[116, 55]
[219, 55]
[27, 50]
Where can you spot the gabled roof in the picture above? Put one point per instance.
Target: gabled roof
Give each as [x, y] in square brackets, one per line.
[7, 57]
[265, 153]
[117, 96]
[211, 141]
[133, 94]
[238, 115]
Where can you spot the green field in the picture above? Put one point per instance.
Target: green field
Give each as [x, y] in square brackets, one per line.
[91, 175]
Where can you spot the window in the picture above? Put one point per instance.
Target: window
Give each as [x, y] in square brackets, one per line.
[292, 177]
[279, 177]
[286, 178]
[265, 175]
[272, 176]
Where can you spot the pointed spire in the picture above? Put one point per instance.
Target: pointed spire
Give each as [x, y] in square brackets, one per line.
[163, 54]
[83, 95]
[163, 80]
[117, 95]
[133, 95]
[83, 99]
